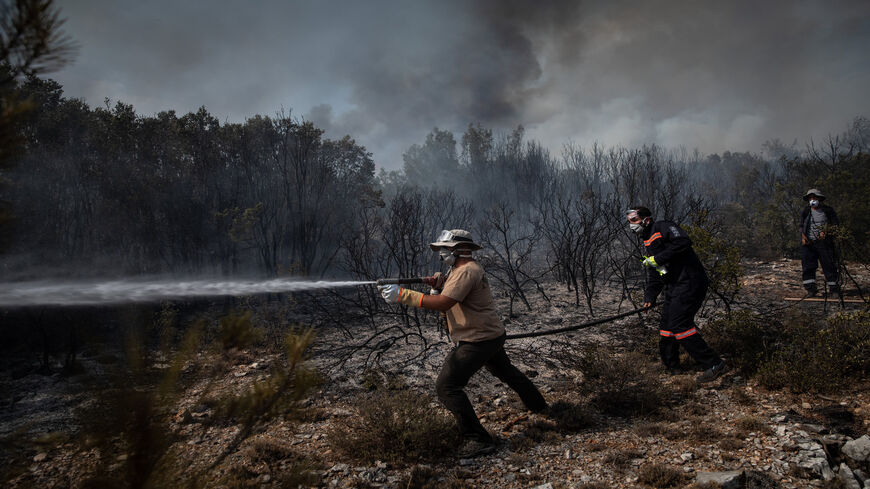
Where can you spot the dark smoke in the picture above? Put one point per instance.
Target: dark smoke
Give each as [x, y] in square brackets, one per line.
[712, 75]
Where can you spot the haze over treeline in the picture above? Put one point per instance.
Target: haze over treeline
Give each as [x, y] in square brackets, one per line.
[104, 190]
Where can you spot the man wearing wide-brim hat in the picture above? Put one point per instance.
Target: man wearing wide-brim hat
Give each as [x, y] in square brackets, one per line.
[477, 332]
[816, 246]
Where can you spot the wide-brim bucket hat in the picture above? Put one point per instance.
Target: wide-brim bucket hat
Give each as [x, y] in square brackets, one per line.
[453, 238]
[814, 191]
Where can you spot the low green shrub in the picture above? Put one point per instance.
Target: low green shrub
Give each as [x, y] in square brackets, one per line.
[399, 427]
[238, 331]
[820, 357]
[745, 338]
[796, 352]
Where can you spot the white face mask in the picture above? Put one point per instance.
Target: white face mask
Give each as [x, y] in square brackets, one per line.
[814, 203]
[636, 227]
[447, 257]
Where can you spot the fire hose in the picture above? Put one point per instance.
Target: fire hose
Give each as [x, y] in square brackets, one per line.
[589, 324]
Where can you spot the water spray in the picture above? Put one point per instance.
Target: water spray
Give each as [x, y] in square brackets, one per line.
[89, 293]
[92, 292]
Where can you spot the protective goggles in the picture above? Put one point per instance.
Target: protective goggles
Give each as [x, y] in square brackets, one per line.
[632, 216]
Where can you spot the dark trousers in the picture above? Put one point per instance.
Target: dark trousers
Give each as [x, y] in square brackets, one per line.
[461, 363]
[682, 302]
[813, 253]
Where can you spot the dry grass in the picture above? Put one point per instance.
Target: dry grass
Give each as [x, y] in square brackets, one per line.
[399, 427]
[621, 459]
[661, 476]
[749, 424]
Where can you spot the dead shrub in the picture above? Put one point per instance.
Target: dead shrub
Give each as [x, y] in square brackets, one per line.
[570, 417]
[624, 385]
[760, 480]
[541, 431]
[520, 443]
[731, 444]
[685, 386]
[594, 485]
[660, 476]
[752, 423]
[268, 449]
[703, 433]
[425, 477]
[741, 397]
[398, 427]
[238, 331]
[375, 378]
[621, 459]
[647, 429]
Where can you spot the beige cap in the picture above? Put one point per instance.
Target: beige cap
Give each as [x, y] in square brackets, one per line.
[454, 237]
[814, 191]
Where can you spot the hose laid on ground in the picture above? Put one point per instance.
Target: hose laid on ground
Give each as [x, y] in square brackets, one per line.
[579, 326]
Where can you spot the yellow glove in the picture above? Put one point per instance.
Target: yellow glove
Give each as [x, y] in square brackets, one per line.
[410, 297]
[650, 261]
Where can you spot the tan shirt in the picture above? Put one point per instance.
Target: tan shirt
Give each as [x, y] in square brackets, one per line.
[473, 317]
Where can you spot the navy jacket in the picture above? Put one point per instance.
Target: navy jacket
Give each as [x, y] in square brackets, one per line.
[672, 248]
[830, 215]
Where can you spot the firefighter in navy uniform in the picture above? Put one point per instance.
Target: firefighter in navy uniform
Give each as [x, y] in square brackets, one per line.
[674, 267]
[816, 245]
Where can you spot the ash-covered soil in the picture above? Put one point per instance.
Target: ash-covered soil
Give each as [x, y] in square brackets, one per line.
[731, 424]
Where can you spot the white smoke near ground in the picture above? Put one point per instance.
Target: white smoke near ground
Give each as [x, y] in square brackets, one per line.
[83, 293]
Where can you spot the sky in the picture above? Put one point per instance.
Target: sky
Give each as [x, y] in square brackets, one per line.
[713, 76]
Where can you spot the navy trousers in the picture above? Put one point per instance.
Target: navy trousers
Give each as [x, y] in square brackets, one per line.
[682, 302]
[821, 251]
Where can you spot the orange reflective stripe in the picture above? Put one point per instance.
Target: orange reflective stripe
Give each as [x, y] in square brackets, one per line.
[421, 300]
[686, 334]
[665, 333]
[652, 238]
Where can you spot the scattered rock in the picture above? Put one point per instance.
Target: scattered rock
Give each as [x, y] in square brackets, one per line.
[40, 457]
[858, 450]
[847, 478]
[732, 479]
[548, 485]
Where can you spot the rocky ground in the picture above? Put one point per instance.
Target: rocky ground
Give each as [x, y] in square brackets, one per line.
[732, 428]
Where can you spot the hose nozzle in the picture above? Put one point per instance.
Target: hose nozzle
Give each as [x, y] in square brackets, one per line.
[400, 281]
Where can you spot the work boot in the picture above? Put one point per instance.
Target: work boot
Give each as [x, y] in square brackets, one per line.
[713, 372]
[812, 292]
[475, 448]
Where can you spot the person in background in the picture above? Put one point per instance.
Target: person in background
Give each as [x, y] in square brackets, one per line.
[476, 331]
[816, 246]
[674, 267]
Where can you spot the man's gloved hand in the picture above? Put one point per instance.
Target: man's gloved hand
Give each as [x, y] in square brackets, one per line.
[393, 294]
[435, 281]
[650, 261]
[390, 293]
